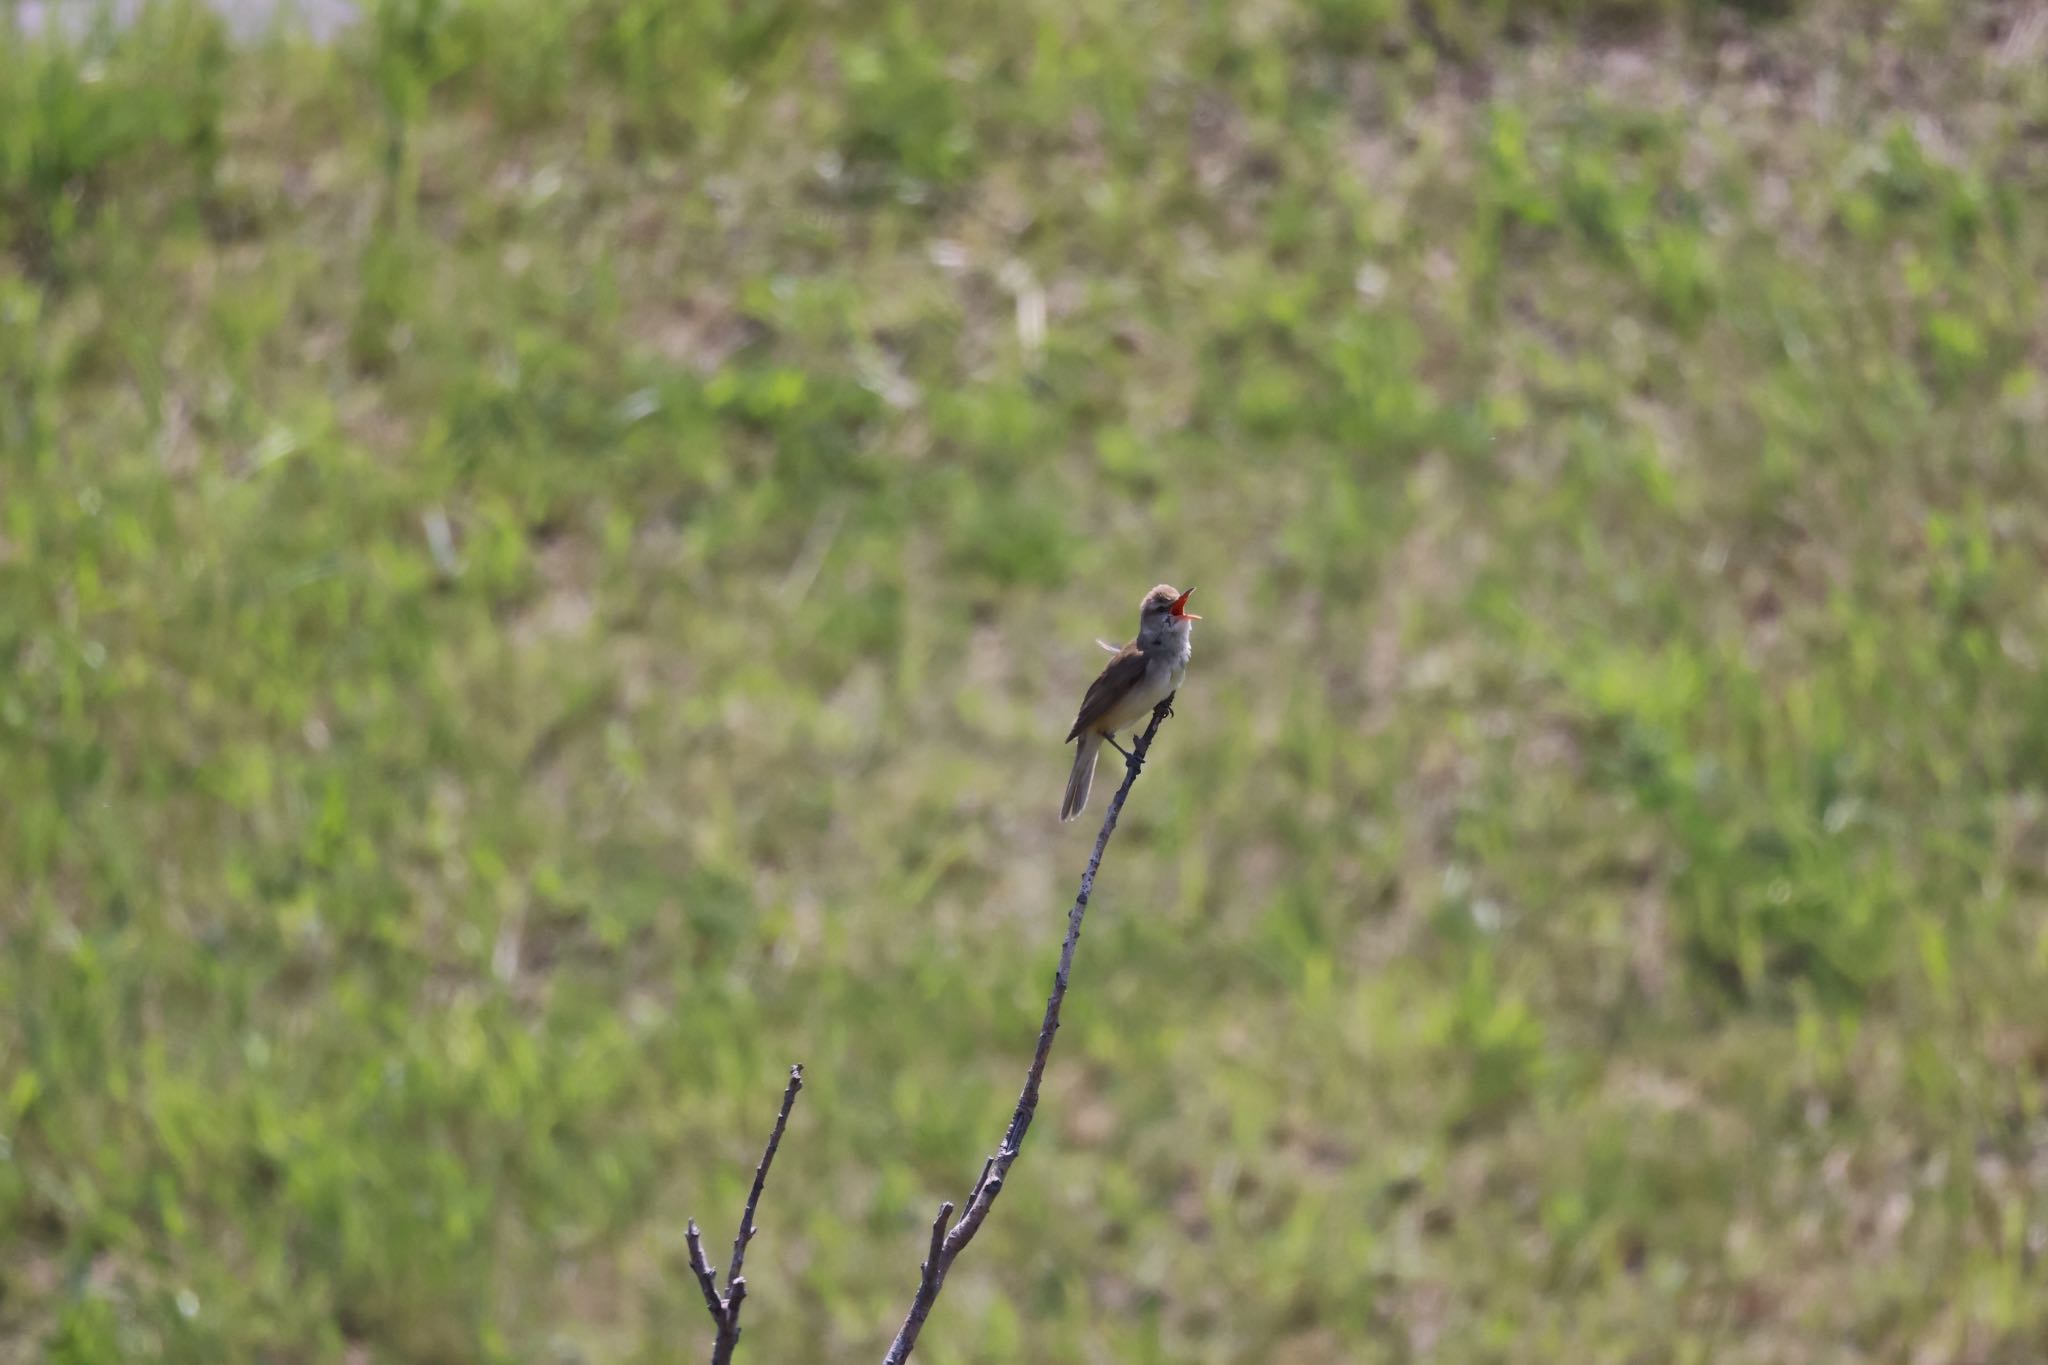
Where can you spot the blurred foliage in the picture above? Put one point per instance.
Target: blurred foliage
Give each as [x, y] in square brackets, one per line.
[545, 549]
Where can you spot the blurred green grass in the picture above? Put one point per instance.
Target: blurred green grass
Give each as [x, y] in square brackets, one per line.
[544, 556]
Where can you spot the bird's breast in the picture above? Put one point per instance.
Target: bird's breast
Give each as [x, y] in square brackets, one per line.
[1162, 680]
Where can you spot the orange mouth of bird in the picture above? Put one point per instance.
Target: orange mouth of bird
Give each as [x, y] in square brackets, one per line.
[1180, 607]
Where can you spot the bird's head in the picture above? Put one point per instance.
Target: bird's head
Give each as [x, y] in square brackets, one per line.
[1164, 610]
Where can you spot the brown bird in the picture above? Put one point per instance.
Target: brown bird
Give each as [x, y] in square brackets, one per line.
[1144, 673]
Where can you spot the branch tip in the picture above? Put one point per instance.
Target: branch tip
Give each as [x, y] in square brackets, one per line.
[725, 1309]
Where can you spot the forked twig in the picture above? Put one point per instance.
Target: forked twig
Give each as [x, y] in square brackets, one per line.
[725, 1309]
[950, 1238]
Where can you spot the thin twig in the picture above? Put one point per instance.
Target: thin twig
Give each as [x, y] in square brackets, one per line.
[725, 1310]
[948, 1242]
[747, 1228]
[707, 1278]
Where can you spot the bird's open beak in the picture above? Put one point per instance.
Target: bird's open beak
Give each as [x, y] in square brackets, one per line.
[1180, 606]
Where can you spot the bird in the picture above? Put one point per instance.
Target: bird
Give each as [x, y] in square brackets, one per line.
[1144, 673]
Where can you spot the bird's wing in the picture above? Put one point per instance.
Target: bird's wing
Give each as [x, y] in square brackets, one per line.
[1115, 682]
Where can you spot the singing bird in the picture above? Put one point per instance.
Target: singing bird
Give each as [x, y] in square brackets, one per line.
[1144, 673]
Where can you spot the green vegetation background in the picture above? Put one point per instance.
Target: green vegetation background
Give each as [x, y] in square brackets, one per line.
[546, 549]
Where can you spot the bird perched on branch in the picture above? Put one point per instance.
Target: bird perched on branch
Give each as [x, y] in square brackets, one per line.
[1144, 673]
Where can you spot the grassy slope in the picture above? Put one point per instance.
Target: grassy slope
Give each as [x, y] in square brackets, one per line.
[540, 576]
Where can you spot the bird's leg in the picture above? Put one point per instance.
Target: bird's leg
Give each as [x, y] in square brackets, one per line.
[1110, 740]
[1168, 703]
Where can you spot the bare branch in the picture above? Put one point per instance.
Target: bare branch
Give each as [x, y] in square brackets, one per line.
[947, 1243]
[725, 1311]
[747, 1228]
[707, 1278]
[931, 1261]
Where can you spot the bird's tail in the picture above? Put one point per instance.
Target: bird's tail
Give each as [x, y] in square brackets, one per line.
[1083, 776]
